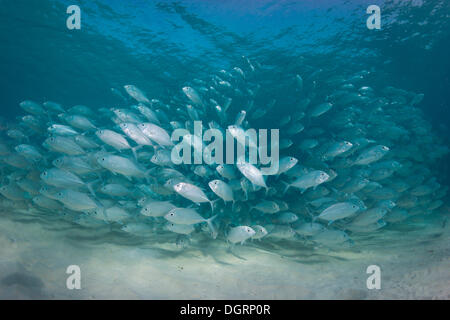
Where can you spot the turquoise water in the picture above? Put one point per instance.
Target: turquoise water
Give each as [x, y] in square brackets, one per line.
[312, 70]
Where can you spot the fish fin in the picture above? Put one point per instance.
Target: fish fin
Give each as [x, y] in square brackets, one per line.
[49, 117]
[286, 188]
[313, 217]
[134, 149]
[210, 225]
[89, 187]
[148, 177]
[212, 204]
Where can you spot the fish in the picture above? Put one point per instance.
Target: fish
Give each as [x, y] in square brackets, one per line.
[193, 193]
[356, 158]
[32, 107]
[115, 140]
[64, 145]
[115, 190]
[338, 211]
[252, 173]
[29, 152]
[80, 122]
[266, 206]
[157, 208]
[75, 200]
[192, 95]
[308, 229]
[121, 165]
[260, 232]
[156, 134]
[64, 179]
[185, 229]
[222, 190]
[320, 109]
[240, 234]
[369, 216]
[309, 180]
[135, 134]
[136, 93]
[285, 217]
[62, 130]
[331, 237]
[371, 155]
[189, 216]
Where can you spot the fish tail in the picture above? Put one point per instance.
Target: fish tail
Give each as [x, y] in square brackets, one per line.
[134, 149]
[148, 177]
[286, 188]
[49, 117]
[313, 218]
[89, 187]
[210, 225]
[212, 204]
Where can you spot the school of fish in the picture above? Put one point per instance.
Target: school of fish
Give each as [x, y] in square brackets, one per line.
[353, 159]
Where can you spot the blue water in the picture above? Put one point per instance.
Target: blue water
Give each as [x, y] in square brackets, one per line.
[162, 46]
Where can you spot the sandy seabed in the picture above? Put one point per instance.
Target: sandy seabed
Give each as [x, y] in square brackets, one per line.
[414, 261]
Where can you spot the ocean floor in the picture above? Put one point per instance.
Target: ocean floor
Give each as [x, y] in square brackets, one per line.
[414, 259]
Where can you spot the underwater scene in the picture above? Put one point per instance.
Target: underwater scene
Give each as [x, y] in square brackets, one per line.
[224, 149]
